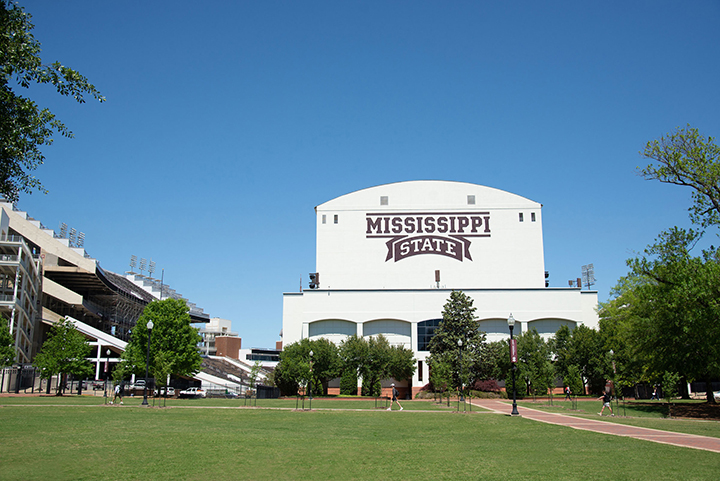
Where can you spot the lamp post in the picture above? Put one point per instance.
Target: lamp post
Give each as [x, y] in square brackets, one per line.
[107, 370]
[460, 383]
[513, 360]
[150, 325]
[311, 375]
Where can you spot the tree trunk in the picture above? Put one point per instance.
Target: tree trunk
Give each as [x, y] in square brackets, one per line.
[708, 391]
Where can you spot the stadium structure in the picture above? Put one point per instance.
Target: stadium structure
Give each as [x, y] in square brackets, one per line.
[388, 258]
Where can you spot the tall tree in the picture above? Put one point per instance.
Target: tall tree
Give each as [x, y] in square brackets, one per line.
[684, 157]
[171, 333]
[64, 352]
[24, 126]
[674, 318]
[458, 341]
[534, 365]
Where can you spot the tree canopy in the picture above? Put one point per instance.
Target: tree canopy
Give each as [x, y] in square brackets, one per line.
[24, 126]
[64, 352]
[458, 342]
[686, 158]
[172, 335]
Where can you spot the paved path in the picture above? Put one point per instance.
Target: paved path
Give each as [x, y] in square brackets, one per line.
[666, 437]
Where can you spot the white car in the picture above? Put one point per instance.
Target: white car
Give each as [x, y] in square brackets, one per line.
[192, 392]
[170, 391]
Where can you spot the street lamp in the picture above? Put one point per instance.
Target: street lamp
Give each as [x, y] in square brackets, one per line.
[150, 325]
[460, 383]
[513, 360]
[311, 376]
[107, 370]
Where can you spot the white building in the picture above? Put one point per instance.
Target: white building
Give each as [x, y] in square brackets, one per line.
[217, 327]
[389, 256]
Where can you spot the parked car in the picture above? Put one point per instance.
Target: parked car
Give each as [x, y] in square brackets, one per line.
[192, 392]
[170, 391]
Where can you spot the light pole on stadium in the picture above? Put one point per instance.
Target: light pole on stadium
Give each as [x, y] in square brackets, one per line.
[150, 325]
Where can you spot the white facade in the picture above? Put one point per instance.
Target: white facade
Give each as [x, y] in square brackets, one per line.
[389, 256]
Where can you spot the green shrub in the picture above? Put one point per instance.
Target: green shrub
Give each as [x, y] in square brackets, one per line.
[370, 388]
[348, 382]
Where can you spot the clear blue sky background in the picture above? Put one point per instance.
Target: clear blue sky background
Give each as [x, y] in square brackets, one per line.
[226, 123]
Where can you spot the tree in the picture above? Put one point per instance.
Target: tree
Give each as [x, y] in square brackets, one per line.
[253, 377]
[534, 365]
[64, 352]
[686, 158]
[294, 369]
[171, 333]
[672, 320]
[458, 341]
[7, 344]
[24, 126]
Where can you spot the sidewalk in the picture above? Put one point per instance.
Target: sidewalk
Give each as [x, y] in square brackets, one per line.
[666, 437]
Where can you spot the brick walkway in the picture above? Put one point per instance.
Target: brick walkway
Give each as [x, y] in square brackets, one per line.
[598, 426]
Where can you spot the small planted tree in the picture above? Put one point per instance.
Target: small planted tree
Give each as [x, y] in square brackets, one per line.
[64, 352]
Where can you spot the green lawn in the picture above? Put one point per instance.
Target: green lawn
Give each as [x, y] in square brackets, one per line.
[42, 440]
[634, 414]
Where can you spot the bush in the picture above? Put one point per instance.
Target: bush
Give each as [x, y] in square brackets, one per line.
[488, 385]
[371, 389]
[348, 382]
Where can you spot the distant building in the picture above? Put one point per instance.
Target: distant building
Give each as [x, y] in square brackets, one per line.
[51, 276]
[20, 290]
[388, 258]
[217, 327]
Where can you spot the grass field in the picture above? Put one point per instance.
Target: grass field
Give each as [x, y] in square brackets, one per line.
[633, 414]
[80, 438]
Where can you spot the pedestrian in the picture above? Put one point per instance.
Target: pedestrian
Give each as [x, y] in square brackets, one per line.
[118, 393]
[567, 393]
[394, 398]
[655, 394]
[606, 397]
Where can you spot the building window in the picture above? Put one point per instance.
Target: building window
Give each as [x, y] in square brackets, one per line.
[324, 218]
[335, 219]
[383, 200]
[426, 331]
[520, 217]
[471, 200]
[532, 216]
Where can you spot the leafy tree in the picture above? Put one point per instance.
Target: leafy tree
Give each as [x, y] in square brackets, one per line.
[7, 344]
[294, 371]
[588, 353]
[497, 362]
[171, 333]
[162, 368]
[458, 342]
[64, 352]
[253, 377]
[573, 380]
[534, 362]
[353, 355]
[672, 321]
[440, 374]
[24, 126]
[686, 158]
[348, 382]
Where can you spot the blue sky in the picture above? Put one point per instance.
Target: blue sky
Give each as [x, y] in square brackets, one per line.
[226, 123]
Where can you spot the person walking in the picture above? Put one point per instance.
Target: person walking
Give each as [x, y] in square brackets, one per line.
[567, 393]
[606, 397]
[118, 393]
[394, 398]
